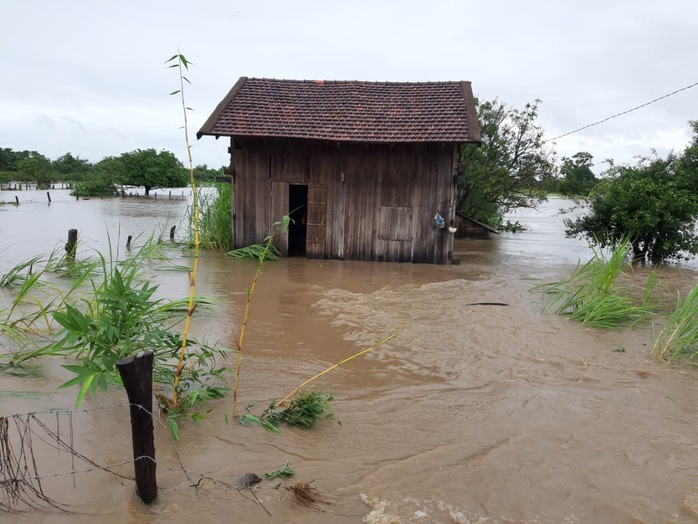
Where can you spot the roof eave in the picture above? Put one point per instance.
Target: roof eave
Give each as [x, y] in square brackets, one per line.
[471, 112]
[207, 128]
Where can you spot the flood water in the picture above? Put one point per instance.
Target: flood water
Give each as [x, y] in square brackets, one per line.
[473, 414]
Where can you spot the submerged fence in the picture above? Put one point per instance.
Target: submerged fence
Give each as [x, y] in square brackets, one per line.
[26, 438]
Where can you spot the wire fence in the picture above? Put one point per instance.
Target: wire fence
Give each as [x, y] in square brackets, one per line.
[25, 437]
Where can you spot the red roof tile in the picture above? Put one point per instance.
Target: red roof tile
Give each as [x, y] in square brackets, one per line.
[347, 111]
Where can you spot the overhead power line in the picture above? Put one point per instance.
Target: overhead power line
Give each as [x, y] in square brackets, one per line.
[624, 112]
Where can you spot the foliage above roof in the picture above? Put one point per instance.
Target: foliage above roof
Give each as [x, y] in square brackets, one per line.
[347, 111]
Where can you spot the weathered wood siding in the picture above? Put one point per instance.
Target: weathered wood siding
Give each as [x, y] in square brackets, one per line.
[365, 201]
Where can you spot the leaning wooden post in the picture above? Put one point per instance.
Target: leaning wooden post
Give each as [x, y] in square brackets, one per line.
[172, 231]
[49, 196]
[137, 376]
[72, 243]
[128, 242]
[16, 200]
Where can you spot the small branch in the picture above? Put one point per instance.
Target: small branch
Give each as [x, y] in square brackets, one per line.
[245, 318]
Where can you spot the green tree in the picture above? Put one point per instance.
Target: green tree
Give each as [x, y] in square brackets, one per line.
[577, 178]
[150, 169]
[9, 159]
[202, 173]
[650, 204]
[101, 180]
[506, 171]
[71, 168]
[37, 168]
[687, 164]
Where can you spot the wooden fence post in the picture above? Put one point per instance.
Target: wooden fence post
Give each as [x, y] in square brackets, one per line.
[137, 376]
[72, 243]
[49, 196]
[172, 231]
[128, 242]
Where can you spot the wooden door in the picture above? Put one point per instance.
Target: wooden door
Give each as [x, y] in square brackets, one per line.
[279, 208]
[317, 221]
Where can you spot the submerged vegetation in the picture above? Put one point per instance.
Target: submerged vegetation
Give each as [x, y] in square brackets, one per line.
[215, 221]
[679, 336]
[109, 311]
[305, 411]
[593, 295]
[255, 252]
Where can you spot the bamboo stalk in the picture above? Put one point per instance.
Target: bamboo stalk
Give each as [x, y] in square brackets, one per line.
[335, 366]
[181, 61]
[245, 318]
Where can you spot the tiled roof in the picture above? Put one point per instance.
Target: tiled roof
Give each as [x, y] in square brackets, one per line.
[347, 111]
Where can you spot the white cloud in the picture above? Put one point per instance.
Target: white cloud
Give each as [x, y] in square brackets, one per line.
[88, 77]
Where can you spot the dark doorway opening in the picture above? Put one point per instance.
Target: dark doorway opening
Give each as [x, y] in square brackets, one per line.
[298, 211]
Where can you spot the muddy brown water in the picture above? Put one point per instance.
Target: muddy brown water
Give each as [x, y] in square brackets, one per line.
[474, 414]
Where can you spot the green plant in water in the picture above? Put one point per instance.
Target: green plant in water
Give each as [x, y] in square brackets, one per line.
[19, 273]
[255, 252]
[268, 244]
[29, 316]
[282, 473]
[679, 336]
[592, 295]
[308, 407]
[215, 222]
[121, 317]
[306, 410]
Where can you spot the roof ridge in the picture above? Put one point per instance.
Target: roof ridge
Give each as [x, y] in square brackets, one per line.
[372, 82]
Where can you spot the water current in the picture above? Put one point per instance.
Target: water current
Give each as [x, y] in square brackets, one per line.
[473, 414]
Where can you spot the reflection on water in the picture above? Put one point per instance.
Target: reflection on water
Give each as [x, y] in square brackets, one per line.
[474, 414]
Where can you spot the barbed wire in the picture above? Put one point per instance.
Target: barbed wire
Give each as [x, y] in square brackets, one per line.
[20, 478]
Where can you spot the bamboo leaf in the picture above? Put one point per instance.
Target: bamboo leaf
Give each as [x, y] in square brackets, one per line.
[84, 389]
[174, 428]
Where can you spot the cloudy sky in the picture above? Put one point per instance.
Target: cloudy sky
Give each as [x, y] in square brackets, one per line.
[87, 77]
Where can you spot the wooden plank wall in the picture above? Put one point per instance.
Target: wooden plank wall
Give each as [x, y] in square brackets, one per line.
[365, 201]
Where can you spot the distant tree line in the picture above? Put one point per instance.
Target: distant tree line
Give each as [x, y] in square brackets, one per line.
[143, 167]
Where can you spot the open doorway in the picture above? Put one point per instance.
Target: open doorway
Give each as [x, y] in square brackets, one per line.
[298, 211]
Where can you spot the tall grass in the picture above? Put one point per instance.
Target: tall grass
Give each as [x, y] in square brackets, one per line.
[679, 336]
[215, 222]
[593, 296]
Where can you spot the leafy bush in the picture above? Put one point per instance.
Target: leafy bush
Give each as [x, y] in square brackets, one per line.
[654, 204]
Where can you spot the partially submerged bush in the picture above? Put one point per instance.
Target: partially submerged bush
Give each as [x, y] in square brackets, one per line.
[592, 295]
[255, 252]
[306, 410]
[679, 336]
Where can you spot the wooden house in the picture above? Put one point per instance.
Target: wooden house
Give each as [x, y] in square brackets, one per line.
[366, 170]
